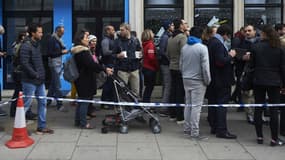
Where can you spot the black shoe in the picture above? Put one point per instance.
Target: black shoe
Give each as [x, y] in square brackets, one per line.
[2, 112]
[31, 116]
[277, 142]
[213, 131]
[259, 140]
[226, 136]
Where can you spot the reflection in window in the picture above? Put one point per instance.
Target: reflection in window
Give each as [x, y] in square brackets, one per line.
[87, 23]
[213, 12]
[259, 12]
[98, 5]
[29, 5]
[204, 15]
[262, 15]
[163, 2]
[213, 2]
[262, 1]
[154, 17]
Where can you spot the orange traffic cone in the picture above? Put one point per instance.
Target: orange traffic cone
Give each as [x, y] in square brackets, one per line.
[20, 137]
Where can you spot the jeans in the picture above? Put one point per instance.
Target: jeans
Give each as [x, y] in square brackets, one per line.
[30, 89]
[194, 95]
[54, 87]
[149, 82]
[81, 113]
[166, 82]
[273, 94]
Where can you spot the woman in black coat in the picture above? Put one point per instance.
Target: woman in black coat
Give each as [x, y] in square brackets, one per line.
[267, 59]
[86, 83]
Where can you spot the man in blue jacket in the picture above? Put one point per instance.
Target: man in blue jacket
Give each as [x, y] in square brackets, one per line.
[55, 50]
[33, 74]
[219, 90]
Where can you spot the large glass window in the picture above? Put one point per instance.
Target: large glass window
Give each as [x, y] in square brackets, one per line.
[95, 14]
[209, 12]
[98, 5]
[18, 15]
[259, 12]
[29, 5]
[158, 11]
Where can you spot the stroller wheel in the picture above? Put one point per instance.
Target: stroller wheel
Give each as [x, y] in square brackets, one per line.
[155, 126]
[104, 130]
[124, 129]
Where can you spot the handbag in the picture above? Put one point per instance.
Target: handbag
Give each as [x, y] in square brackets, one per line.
[247, 77]
[101, 78]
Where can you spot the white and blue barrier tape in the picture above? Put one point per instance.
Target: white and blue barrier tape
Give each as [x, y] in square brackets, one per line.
[142, 104]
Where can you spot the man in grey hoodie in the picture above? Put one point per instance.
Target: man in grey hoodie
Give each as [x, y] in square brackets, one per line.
[194, 66]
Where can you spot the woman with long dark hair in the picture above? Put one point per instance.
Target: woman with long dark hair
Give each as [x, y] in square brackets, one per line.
[86, 83]
[267, 59]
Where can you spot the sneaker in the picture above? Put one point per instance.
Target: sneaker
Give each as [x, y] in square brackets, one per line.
[199, 137]
[172, 119]
[277, 142]
[180, 122]
[187, 133]
[44, 131]
[62, 109]
[2, 112]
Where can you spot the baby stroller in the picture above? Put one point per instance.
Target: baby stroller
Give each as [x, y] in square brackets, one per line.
[124, 114]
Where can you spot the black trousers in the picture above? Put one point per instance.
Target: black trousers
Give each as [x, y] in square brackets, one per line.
[17, 89]
[217, 116]
[177, 95]
[282, 115]
[260, 98]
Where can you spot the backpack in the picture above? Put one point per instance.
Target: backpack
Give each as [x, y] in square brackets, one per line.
[70, 71]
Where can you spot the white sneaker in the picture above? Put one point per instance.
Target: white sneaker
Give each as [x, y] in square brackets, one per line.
[199, 137]
[180, 122]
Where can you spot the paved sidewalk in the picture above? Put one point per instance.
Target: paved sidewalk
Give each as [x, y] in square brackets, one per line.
[70, 143]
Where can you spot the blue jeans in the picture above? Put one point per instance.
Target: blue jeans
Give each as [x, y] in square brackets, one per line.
[81, 113]
[30, 89]
[54, 87]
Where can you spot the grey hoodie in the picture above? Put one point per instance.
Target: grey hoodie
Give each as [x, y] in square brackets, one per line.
[194, 61]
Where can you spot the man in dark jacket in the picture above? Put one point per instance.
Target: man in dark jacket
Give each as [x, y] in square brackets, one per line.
[107, 46]
[56, 49]
[164, 61]
[127, 64]
[219, 90]
[33, 74]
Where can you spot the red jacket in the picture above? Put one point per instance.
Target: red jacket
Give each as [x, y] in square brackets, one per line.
[149, 56]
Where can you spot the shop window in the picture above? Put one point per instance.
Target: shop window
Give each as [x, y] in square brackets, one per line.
[259, 12]
[213, 12]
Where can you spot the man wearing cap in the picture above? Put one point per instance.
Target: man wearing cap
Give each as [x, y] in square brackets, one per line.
[55, 51]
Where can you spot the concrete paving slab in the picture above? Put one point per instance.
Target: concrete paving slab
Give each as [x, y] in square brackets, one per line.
[95, 138]
[100, 153]
[265, 152]
[15, 154]
[174, 140]
[182, 153]
[52, 151]
[227, 151]
[132, 151]
[137, 137]
[62, 135]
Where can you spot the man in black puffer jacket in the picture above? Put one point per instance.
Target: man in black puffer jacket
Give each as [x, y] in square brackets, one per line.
[33, 74]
